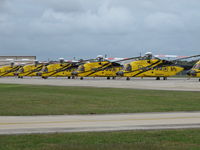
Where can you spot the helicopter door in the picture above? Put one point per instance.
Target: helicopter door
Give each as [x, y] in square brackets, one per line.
[81, 68]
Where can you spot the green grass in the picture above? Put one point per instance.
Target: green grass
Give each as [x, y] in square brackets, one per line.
[129, 140]
[51, 100]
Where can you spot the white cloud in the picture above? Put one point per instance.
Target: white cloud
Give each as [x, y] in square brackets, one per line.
[113, 20]
[164, 21]
[89, 27]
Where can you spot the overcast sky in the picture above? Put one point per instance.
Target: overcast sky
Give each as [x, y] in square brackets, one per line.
[87, 28]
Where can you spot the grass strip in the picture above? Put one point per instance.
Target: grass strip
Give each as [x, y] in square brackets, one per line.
[56, 100]
[129, 140]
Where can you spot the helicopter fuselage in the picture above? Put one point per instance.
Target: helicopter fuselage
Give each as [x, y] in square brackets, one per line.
[7, 71]
[58, 70]
[150, 68]
[98, 69]
[29, 70]
[195, 71]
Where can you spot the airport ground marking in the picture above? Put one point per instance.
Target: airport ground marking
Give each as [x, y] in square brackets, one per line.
[81, 121]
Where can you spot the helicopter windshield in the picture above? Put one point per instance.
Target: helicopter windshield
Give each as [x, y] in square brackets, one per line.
[81, 68]
[197, 66]
[127, 67]
[21, 70]
[44, 69]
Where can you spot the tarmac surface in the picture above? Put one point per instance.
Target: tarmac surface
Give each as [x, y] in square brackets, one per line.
[178, 84]
[94, 123]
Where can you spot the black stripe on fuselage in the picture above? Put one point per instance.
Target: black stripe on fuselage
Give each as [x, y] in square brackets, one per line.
[148, 68]
[92, 69]
[142, 69]
[59, 70]
[35, 70]
[12, 70]
[101, 68]
[158, 66]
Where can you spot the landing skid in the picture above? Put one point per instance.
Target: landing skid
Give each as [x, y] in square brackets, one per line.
[157, 78]
[44, 77]
[164, 78]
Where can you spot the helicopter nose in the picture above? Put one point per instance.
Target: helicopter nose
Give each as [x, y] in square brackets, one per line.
[192, 73]
[188, 73]
[74, 73]
[120, 73]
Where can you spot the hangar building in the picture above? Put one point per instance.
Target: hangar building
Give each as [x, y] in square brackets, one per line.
[16, 59]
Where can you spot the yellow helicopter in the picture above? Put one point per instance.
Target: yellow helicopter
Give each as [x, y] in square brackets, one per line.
[195, 71]
[150, 66]
[59, 69]
[99, 67]
[9, 70]
[30, 69]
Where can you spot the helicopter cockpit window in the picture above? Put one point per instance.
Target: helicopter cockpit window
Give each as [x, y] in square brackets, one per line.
[21, 70]
[45, 69]
[197, 66]
[127, 67]
[81, 68]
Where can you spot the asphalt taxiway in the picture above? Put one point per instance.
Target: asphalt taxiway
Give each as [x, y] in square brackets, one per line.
[178, 84]
[92, 123]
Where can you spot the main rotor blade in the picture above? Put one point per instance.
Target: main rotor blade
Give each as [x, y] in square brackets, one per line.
[186, 57]
[85, 60]
[125, 59]
[5, 64]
